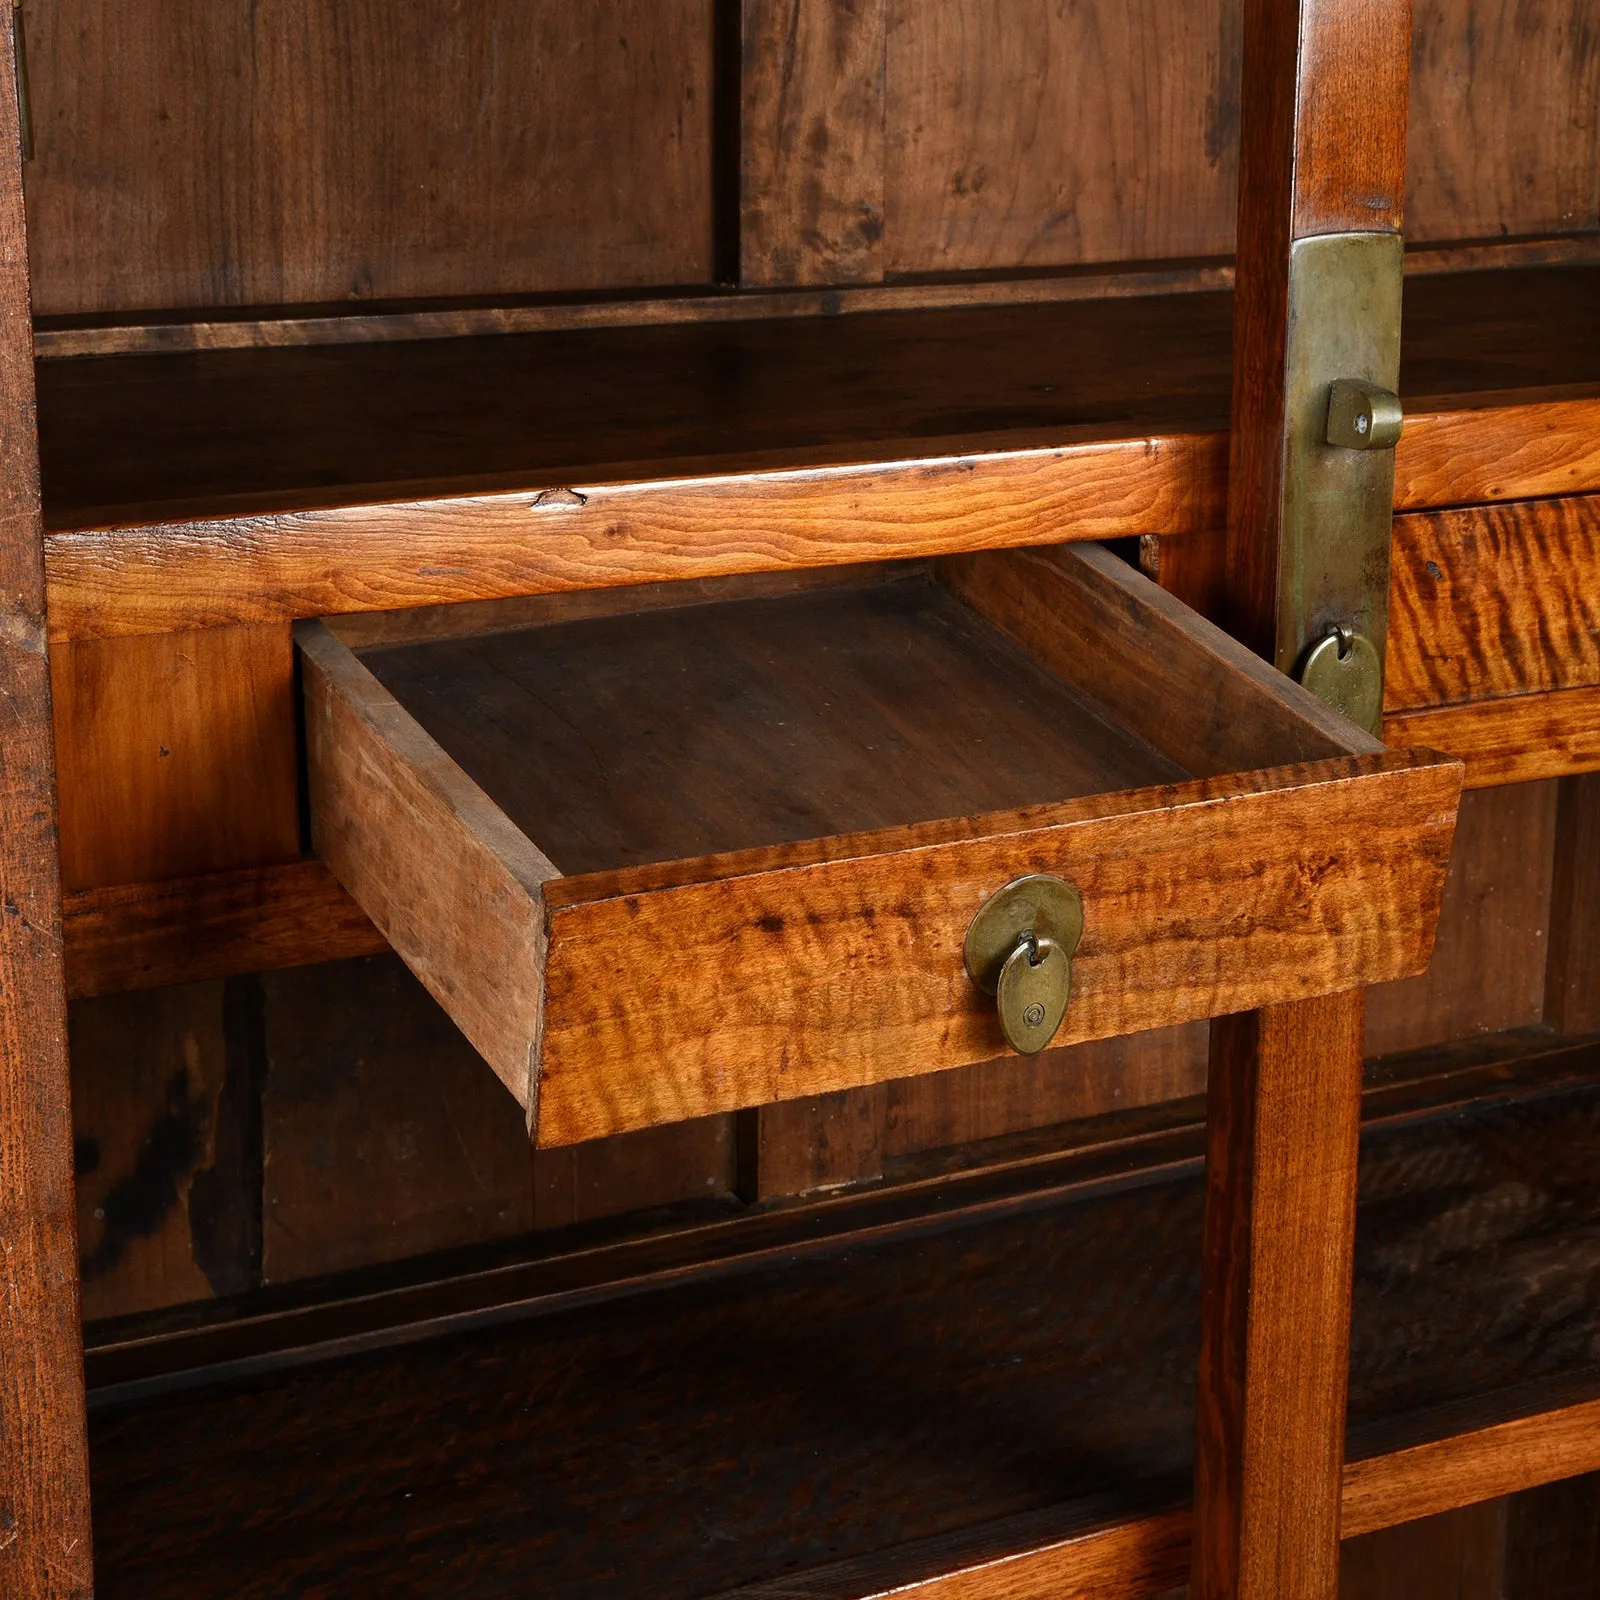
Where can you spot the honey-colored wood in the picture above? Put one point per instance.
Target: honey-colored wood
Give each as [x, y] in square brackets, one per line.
[446, 879]
[812, 100]
[45, 1544]
[1495, 601]
[181, 930]
[1514, 740]
[1572, 979]
[335, 151]
[176, 754]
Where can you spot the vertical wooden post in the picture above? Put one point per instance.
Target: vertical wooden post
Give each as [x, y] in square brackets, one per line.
[44, 1488]
[1322, 151]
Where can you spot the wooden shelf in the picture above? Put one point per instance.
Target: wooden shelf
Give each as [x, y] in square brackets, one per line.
[928, 1381]
[188, 489]
[584, 835]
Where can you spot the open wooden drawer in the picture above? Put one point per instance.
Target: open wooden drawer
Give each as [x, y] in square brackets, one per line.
[662, 854]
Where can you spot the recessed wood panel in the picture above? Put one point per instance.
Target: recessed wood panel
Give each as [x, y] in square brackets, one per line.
[175, 754]
[327, 150]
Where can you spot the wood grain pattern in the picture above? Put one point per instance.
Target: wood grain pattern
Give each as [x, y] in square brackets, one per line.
[1457, 1555]
[679, 1165]
[335, 151]
[181, 930]
[1494, 601]
[812, 97]
[176, 754]
[1553, 1541]
[168, 1201]
[1514, 740]
[45, 1550]
[1056, 135]
[805, 1146]
[447, 880]
[1275, 1339]
[1484, 155]
[1572, 988]
[1174, 878]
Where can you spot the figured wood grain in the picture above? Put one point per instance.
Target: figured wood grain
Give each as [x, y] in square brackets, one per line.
[1150, 656]
[175, 754]
[45, 1548]
[448, 881]
[181, 930]
[1572, 977]
[848, 953]
[1513, 740]
[1275, 1338]
[811, 142]
[1494, 601]
[332, 151]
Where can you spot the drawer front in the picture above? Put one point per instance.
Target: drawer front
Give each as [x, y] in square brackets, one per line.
[675, 993]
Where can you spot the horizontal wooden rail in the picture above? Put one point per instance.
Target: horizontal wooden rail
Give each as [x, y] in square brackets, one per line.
[1514, 740]
[256, 564]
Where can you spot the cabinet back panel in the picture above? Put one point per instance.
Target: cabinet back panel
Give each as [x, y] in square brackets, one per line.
[235, 153]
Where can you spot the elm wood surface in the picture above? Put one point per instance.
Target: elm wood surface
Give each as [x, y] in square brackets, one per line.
[175, 754]
[1572, 986]
[337, 151]
[201, 489]
[1015, 1359]
[847, 947]
[44, 1492]
[182, 930]
[1514, 740]
[1494, 601]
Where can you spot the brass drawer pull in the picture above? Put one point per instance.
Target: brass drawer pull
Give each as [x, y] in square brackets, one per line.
[1019, 948]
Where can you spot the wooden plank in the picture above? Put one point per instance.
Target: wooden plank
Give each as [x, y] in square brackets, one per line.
[829, 1141]
[384, 1138]
[1457, 1555]
[154, 577]
[1572, 987]
[45, 1545]
[176, 754]
[1510, 741]
[1553, 1541]
[1494, 601]
[1486, 159]
[1275, 1335]
[448, 881]
[1172, 878]
[237, 158]
[811, 142]
[677, 1165]
[1055, 135]
[258, 919]
[1488, 969]
[166, 1121]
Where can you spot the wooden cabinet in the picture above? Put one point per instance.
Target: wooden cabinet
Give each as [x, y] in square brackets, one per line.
[655, 514]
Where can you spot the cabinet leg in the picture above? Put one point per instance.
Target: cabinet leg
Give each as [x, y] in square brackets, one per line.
[1284, 1121]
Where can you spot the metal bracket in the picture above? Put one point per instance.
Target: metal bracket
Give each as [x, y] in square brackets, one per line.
[1342, 365]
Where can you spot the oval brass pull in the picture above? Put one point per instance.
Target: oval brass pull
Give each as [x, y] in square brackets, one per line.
[1019, 948]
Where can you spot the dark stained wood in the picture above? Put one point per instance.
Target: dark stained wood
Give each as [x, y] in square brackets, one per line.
[383, 1135]
[175, 754]
[1514, 740]
[1498, 600]
[805, 1146]
[165, 1109]
[1457, 1555]
[1489, 957]
[44, 1495]
[258, 919]
[812, 141]
[336, 151]
[1014, 1370]
[1553, 1541]
[1572, 988]
[669, 1167]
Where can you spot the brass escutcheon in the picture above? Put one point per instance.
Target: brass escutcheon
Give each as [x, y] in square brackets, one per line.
[1019, 948]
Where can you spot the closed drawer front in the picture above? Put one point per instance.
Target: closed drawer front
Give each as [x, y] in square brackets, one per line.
[662, 859]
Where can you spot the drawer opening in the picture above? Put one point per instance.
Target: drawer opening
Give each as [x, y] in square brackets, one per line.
[662, 859]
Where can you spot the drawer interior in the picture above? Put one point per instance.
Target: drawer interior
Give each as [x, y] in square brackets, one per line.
[746, 722]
